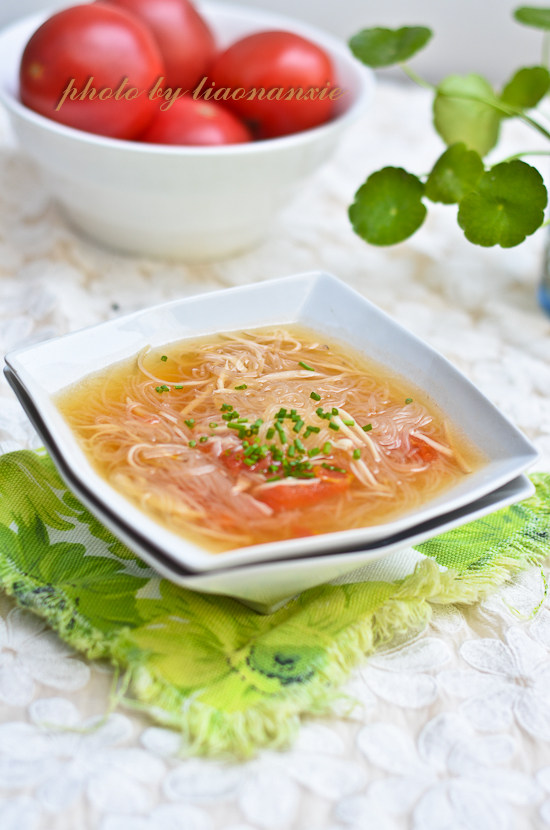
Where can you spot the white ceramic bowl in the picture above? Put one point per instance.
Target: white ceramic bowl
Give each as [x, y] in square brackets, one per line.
[318, 301]
[194, 203]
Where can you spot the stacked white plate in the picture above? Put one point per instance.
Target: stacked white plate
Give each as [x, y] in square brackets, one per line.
[263, 575]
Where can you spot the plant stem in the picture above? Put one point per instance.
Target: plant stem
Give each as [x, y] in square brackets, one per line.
[415, 77]
[506, 109]
[546, 49]
[532, 123]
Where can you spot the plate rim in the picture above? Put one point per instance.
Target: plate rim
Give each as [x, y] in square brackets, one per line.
[207, 561]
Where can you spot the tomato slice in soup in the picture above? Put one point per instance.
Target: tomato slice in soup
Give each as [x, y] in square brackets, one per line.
[424, 451]
[296, 493]
[291, 493]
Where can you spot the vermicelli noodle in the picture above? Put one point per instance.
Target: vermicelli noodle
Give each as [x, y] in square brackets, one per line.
[258, 436]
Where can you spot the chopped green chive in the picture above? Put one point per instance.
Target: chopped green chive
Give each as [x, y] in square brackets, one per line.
[305, 366]
[291, 460]
[333, 467]
[203, 439]
[408, 400]
[189, 422]
[192, 443]
[242, 386]
[367, 427]
[158, 388]
[178, 386]
[281, 432]
[164, 357]
[256, 451]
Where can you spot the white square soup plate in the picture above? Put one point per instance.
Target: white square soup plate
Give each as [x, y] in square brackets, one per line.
[266, 584]
[316, 300]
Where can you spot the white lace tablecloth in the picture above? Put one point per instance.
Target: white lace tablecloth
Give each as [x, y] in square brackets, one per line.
[454, 728]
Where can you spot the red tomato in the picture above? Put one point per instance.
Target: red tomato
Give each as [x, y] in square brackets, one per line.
[289, 496]
[195, 123]
[281, 62]
[423, 450]
[101, 43]
[185, 40]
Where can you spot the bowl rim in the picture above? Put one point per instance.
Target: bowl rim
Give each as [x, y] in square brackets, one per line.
[520, 453]
[365, 78]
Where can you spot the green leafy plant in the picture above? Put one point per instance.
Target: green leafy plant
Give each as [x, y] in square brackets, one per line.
[500, 204]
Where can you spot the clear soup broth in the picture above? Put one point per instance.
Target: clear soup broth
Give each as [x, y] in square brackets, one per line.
[264, 435]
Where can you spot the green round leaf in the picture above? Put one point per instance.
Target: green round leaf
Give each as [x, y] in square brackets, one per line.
[383, 47]
[527, 87]
[463, 112]
[455, 173]
[388, 207]
[507, 205]
[533, 16]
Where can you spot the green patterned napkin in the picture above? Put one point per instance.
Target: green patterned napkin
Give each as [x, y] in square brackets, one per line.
[231, 680]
